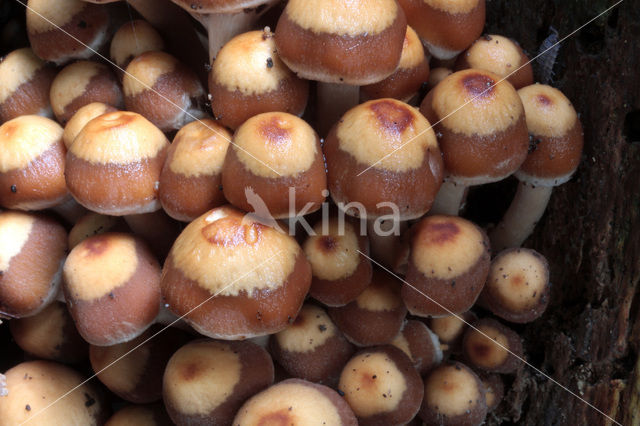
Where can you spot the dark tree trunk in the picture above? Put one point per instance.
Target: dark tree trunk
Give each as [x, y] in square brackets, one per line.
[589, 338]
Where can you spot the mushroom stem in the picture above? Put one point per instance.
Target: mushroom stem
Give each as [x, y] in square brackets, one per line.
[334, 100]
[449, 199]
[521, 217]
[384, 239]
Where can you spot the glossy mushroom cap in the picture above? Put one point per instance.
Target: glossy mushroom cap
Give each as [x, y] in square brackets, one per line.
[245, 278]
[340, 273]
[93, 224]
[446, 27]
[482, 123]
[518, 287]
[453, 396]
[381, 153]
[25, 81]
[334, 41]
[492, 346]
[248, 78]
[35, 385]
[191, 178]
[32, 163]
[82, 83]
[420, 344]
[275, 162]
[500, 55]
[32, 249]
[114, 164]
[448, 266]
[50, 23]
[133, 38]
[163, 90]
[382, 386]
[312, 347]
[111, 284]
[81, 117]
[296, 401]
[206, 381]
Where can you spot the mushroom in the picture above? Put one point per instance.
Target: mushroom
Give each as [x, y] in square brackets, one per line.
[132, 39]
[420, 344]
[556, 141]
[81, 117]
[450, 330]
[492, 347]
[157, 229]
[93, 224]
[436, 75]
[140, 415]
[493, 390]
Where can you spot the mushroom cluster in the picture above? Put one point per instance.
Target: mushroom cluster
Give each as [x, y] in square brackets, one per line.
[288, 248]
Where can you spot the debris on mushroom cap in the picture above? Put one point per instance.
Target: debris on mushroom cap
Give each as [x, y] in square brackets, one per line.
[81, 117]
[134, 38]
[420, 344]
[296, 401]
[491, 346]
[382, 386]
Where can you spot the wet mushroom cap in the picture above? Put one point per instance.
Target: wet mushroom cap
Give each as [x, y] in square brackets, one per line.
[246, 278]
[81, 117]
[448, 266]
[32, 163]
[248, 78]
[382, 386]
[113, 166]
[206, 381]
[518, 287]
[341, 42]
[111, 284]
[32, 249]
[420, 344]
[453, 396]
[492, 346]
[296, 401]
[191, 180]
[25, 83]
[383, 151]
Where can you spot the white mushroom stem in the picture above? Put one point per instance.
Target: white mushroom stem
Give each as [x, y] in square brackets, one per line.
[449, 199]
[333, 101]
[4, 390]
[521, 217]
[384, 239]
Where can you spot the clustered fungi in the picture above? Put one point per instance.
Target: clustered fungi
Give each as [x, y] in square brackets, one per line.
[302, 323]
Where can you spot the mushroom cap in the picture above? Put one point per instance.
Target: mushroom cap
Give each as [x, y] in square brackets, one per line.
[94, 224]
[191, 178]
[481, 124]
[518, 287]
[420, 344]
[206, 381]
[218, 6]
[382, 386]
[436, 75]
[112, 287]
[248, 78]
[32, 163]
[450, 329]
[36, 385]
[140, 415]
[25, 81]
[133, 38]
[296, 401]
[245, 278]
[494, 390]
[333, 41]
[383, 152]
[113, 166]
[449, 263]
[32, 250]
[492, 346]
[81, 117]
[557, 136]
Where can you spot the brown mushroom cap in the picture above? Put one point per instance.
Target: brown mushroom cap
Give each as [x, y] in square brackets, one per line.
[50, 334]
[206, 381]
[446, 27]
[436, 75]
[312, 347]
[53, 27]
[396, 146]
[32, 163]
[340, 273]
[277, 157]
[492, 346]
[111, 284]
[382, 386]
[453, 396]
[191, 178]
[134, 38]
[140, 415]
[248, 78]
[501, 56]
[296, 401]
[341, 42]
[494, 390]
[247, 279]
[217, 6]
[450, 330]
[518, 286]
[420, 344]
[93, 224]
[113, 166]
[36, 385]
[81, 117]
[25, 81]
[32, 250]
[449, 263]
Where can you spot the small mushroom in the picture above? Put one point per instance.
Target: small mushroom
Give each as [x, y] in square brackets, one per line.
[132, 39]
[420, 344]
[450, 330]
[140, 415]
[492, 347]
[81, 117]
